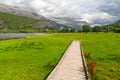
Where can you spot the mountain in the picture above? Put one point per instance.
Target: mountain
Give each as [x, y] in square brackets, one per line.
[26, 13]
[14, 19]
[117, 22]
[70, 22]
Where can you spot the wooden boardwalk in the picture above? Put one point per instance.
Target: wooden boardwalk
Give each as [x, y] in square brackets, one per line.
[70, 66]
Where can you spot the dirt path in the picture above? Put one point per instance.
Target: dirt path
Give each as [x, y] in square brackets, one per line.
[70, 66]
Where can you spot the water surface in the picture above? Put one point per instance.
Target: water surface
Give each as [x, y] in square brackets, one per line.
[18, 35]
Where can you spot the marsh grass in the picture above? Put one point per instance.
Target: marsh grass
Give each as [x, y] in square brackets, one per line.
[87, 54]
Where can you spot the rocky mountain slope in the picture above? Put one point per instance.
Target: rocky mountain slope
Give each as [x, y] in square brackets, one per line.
[70, 22]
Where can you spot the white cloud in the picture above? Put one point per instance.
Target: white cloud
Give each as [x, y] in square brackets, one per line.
[98, 18]
[92, 11]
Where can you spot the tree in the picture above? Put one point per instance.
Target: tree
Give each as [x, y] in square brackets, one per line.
[65, 30]
[117, 30]
[86, 28]
[97, 29]
[72, 30]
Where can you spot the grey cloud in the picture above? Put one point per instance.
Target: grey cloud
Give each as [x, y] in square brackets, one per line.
[111, 7]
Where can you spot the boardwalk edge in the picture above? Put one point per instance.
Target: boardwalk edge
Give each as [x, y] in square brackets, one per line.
[62, 58]
[84, 64]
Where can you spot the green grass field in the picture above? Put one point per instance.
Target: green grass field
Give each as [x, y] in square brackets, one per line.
[33, 58]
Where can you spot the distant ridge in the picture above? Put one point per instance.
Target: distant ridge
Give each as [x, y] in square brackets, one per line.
[117, 22]
[70, 22]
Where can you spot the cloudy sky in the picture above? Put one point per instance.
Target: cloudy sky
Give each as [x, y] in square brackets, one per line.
[92, 11]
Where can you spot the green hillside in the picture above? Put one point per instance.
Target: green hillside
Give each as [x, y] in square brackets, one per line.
[16, 23]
